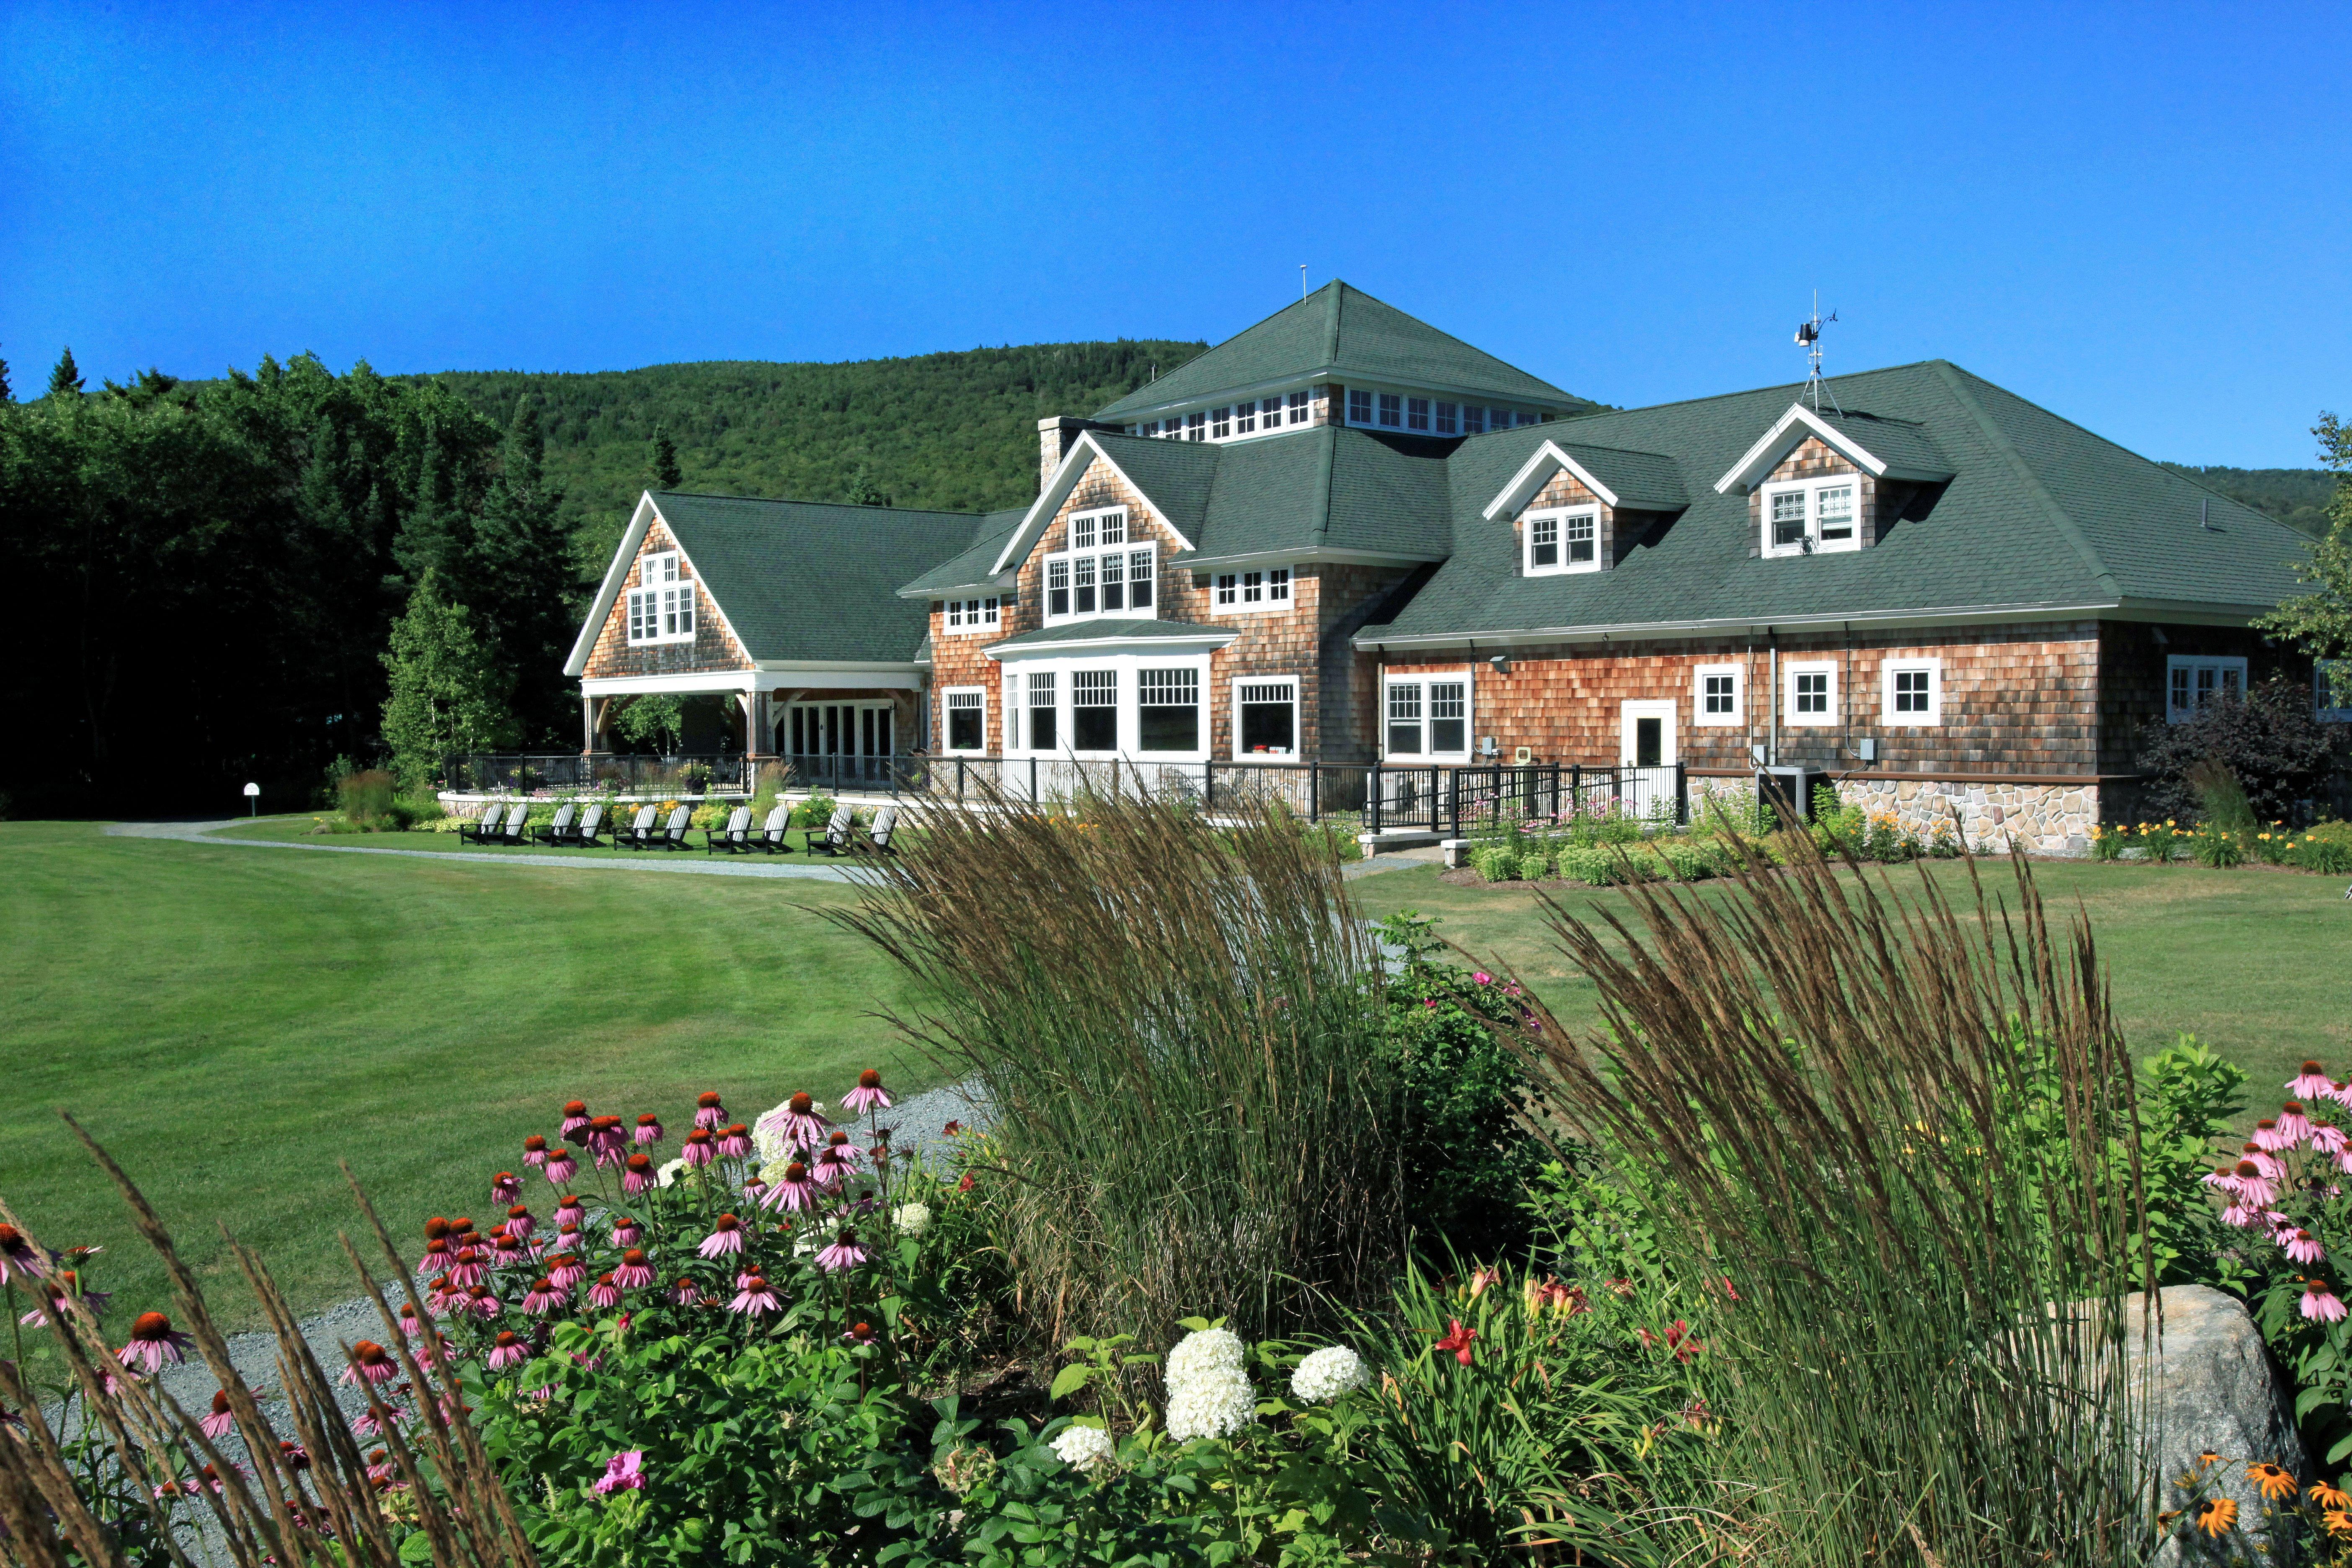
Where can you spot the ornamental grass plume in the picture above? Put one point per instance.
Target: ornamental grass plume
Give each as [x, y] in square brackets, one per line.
[1910, 1132]
[1173, 1138]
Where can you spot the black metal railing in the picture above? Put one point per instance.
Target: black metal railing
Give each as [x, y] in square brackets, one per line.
[496, 774]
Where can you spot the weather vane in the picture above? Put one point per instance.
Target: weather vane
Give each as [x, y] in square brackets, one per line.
[1809, 338]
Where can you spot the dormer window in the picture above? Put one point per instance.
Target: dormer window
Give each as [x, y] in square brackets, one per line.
[1815, 516]
[1221, 424]
[1103, 572]
[1562, 539]
[1360, 406]
[1473, 419]
[1195, 426]
[1391, 410]
[1449, 419]
[661, 606]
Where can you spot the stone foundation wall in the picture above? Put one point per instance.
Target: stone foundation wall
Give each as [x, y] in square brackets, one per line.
[2046, 818]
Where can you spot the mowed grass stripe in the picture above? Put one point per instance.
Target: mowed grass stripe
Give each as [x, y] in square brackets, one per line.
[231, 1022]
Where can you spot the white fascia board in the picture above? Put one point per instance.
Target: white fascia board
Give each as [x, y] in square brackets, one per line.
[1298, 558]
[615, 575]
[1057, 491]
[1536, 472]
[704, 680]
[996, 585]
[767, 677]
[1208, 642]
[1640, 631]
[1788, 432]
[1346, 377]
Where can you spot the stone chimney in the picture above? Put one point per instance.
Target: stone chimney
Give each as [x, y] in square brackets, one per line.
[1055, 436]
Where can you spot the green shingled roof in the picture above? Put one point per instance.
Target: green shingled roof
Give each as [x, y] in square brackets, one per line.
[2039, 514]
[1642, 482]
[1344, 331]
[806, 580]
[968, 568]
[1101, 629]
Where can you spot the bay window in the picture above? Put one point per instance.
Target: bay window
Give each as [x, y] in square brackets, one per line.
[1094, 710]
[1043, 712]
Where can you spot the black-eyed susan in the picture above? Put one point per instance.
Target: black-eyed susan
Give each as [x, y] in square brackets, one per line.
[2322, 1495]
[2209, 1457]
[2218, 1516]
[2339, 1523]
[2276, 1484]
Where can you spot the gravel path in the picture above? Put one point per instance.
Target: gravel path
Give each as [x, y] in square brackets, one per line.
[708, 866]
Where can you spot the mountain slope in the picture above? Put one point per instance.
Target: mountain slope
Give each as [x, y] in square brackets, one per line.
[2297, 496]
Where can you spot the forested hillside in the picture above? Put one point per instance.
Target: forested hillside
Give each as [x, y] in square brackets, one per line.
[955, 431]
[2295, 496]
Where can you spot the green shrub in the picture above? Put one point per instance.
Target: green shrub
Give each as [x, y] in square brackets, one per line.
[814, 812]
[2217, 846]
[2160, 841]
[1535, 864]
[2324, 847]
[709, 815]
[367, 795]
[2109, 843]
[1494, 862]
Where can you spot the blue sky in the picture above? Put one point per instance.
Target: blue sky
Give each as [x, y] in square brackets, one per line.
[2136, 216]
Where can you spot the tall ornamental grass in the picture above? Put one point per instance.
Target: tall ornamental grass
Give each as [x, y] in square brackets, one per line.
[1176, 1024]
[1891, 1144]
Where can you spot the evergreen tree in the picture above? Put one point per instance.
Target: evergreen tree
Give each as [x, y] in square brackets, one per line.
[2320, 622]
[524, 586]
[67, 377]
[667, 476]
[431, 536]
[8, 394]
[448, 693]
[864, 492]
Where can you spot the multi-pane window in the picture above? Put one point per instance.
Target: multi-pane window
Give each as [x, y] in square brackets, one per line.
[661, 606]
[1266, 590]
[1196, 426]
[1168, 710]
[1094, 710]
[2196, 682]
[1299, 410]
[1473, 419]
[967, 713]
[1246, 416]
[1221, 424]
[974, 614]
[1816, 515]
[1416, 413]
[1100, 573]
[1265, 718]
[1911, 693]
[1812, 694]
[1391, 410]
[1718, 694]
[1428, 718]
[1360, 406]
[1543, 541]
[1563, 540]
[1449, 419]
[1041, 710]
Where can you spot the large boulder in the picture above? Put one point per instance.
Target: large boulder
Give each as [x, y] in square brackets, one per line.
[2210, 1388]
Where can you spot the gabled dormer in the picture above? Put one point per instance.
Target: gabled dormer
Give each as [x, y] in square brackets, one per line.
[1580, 508]
[1338, 357]
[1827, 482]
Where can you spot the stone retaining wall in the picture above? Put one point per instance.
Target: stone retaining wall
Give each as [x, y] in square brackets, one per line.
[2047, 819]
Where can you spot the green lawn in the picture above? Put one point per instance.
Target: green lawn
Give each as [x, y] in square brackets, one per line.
[2257, 964]
[230, 1021]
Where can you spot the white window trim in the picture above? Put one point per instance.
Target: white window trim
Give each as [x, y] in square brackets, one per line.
[1290, 415]
[946, 705]
[2192, 662]
[1264, 605]
[1241, 680]
[1789, 714]
[1811, 488]
[1887, 673]
[1424, 678]
[1131, 544]
[1128, 668]
[1563, 515]
[1518, 417]
[959, 618]
[2331, 681]
[1700, 717]
[648, 586]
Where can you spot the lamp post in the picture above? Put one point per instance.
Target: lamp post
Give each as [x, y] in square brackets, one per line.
[253, 800]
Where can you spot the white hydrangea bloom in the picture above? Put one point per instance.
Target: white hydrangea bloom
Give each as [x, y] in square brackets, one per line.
[1085, 1447]
[1209, 1392]
[1327, 1374]
[912, 1219]
[668, 1173]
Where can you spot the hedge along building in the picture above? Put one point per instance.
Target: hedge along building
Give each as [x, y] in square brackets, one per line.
[1345, 536]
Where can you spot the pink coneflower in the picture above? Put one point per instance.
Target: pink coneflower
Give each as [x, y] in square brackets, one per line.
[566, 1271]
[830, 1166]
[793, 1190]
[507, 1350]
[868, 1096]
[505, 1187]
[2270, 1164]
[603, 1293]
[17, 1258]
[466, 1269]
[482, 1304]
[634, 1273]
[437, 1253]
[575, 1121]
[707, 1110]
[221, 1419]
[380, 1468]
[623, 1473]
[845, 1253]
[543, 1297]
[2267, 1136]
[649, 1129]
[726, 1235]
[408, 1325]
[2320, 1304]
[2302, 1247]
[844, 1149]
[734, 1141]
[2341, 1093]
[2255, 1188]
[685, 1292]
[2222, 1179]
[511, 1251]
[755, 1298]
[699, 1147]
[64, 1283]
[797, 1119]
[561, 1167]
[1482, 977]
[2292, 1125]
[153, 1342]
[626, 1231]
[605, 1134]
[570, 1210]
[461, 1231]
[534, 1150]
[2311, 1083]
[2242, 1215]
[370, 1361]
[755, 1189]
[2327, 1139]
[520, 1223]
[638, 1175]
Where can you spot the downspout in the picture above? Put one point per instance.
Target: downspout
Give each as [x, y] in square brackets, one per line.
[1772, 741]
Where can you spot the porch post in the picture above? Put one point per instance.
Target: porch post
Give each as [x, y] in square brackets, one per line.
[587, 726]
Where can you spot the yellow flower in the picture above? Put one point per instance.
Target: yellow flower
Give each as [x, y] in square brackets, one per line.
[2328, 1496]
[2218, 1516]
[2276, 1484]
[2168, 822]
[2339, 1523]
